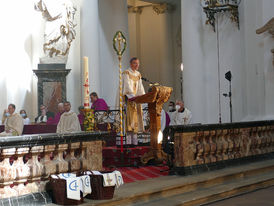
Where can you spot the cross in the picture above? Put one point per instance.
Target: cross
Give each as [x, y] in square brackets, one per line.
[108, 179]
[120, 39]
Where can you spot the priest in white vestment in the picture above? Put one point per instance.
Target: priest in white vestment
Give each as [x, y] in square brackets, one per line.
[133, 87]
[181, 116]
[69, 121]
[14, 123]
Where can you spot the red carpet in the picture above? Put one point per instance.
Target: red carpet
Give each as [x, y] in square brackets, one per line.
[133, 174]
[112, 156]
[112, 159]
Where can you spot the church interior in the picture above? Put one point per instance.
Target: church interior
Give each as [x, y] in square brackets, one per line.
[137, 102]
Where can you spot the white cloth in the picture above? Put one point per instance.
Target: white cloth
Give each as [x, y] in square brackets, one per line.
[109, 179]
[163, 120]
[96, 173]
[66, 175]
[13, 125]
[118, 178]
[42, 119]
[73, 185]
[131, 138]
[132, 88]
[69, 122]
[73, 188]
[26, 121]
[180, 118]
[86, 186]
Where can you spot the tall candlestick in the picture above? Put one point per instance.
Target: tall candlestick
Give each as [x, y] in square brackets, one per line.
[86, 83]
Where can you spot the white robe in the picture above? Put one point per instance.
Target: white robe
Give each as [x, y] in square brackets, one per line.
[69, 122]
[14, 125]
[180, 118]
[163, 120]
[133, 86]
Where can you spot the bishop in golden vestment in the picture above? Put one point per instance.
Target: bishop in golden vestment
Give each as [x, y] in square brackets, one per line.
[133, 87]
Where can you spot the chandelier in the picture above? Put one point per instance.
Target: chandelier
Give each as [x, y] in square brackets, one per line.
[212, 7]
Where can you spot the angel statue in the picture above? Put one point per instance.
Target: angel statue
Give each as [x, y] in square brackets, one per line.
[59, 29]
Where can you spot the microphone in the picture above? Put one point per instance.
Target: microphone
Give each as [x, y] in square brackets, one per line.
[150, 83]
[146, 80]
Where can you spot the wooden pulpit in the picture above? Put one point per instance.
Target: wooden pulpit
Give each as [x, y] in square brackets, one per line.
[155, 99]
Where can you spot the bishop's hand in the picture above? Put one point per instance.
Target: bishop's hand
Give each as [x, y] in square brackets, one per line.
[132, 99]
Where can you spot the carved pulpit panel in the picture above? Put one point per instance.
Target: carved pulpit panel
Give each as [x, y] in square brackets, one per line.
[155, 99]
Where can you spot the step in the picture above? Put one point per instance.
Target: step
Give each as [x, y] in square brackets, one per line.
[215, 193]
[166, 187]
[172, 185]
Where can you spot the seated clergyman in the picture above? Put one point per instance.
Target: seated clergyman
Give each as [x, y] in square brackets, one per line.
[69, 121]
[56, 119]
[14, 123]
[181, 116]
[97, 103]
[43, 115]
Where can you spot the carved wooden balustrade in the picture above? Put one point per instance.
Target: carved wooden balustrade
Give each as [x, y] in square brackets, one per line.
[200, 148]
[27, 161]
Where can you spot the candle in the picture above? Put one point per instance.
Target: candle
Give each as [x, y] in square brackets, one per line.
[86, 83]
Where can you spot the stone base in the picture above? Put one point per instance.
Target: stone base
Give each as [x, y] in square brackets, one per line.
[51, 66]
[197, 169]
[51, 85]
[34, 199]
[54, 60]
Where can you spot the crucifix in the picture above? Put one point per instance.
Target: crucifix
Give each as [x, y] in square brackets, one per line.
[108, 179]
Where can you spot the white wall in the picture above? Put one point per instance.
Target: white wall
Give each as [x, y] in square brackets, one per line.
[16, 55]
[21, 42]
[153, 40]
[112, 18]
[74, 85]
[243, 52]
[268, 67]
[90, 43]
[20, 54]
[259, 68]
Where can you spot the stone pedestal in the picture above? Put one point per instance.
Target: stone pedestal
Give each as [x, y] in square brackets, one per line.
[51, 85]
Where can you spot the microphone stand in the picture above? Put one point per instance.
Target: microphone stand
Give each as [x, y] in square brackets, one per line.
[229, 94]
[150, 83]
[230, 101]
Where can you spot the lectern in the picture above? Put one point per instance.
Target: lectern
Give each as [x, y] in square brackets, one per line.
[155, 99]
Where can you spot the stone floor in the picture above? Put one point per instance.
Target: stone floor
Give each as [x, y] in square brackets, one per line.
[263, 197]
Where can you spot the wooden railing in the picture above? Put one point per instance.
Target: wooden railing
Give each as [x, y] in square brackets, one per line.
[204, 147]
[27, 161]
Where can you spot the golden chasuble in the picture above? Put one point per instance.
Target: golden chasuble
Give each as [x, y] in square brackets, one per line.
[132, 86]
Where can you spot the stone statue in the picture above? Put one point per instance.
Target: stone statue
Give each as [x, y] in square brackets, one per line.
[269, 26]
[59, 29]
